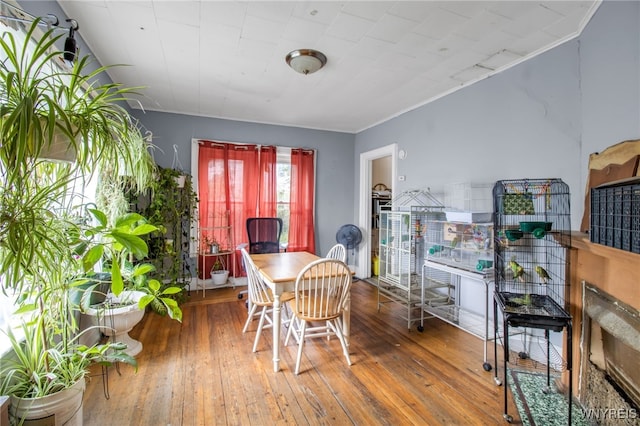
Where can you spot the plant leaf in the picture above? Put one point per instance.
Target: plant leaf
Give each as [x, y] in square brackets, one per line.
[92, 257]
[144, 229]
[117, 285]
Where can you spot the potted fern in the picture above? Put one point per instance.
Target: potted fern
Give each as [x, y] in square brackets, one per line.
[42, 247]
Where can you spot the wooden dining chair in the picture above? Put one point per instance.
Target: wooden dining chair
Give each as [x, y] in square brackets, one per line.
[338, 251]
[321, 293]
[260, 296]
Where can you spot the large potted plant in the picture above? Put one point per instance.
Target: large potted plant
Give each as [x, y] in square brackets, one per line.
[42, 247]
[121, 248]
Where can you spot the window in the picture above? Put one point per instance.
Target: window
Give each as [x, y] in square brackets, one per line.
[283, 185]
[240, 181]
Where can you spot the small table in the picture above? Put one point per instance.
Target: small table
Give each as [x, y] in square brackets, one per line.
[280, 271]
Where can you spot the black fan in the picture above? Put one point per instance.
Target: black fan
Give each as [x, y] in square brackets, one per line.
[349, 236]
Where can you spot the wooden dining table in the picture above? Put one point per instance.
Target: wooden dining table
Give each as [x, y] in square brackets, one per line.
[280, 271]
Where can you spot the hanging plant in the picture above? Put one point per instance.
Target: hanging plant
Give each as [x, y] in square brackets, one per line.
[40, 237]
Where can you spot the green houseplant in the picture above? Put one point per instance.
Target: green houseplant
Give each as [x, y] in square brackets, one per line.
[123, 248]
[219, 275]
[171, 206]
[43, 251]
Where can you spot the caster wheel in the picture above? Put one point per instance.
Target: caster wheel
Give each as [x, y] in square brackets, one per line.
[508, 418]
[240, 296]
[523, 355]
[486, 366]
[420, 328]
[546, 390]
[497, 381]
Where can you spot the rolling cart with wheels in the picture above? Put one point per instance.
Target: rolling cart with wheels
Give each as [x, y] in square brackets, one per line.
[458, 268]
[441, 287]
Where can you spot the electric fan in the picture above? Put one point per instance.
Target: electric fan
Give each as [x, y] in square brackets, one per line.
[349, 236]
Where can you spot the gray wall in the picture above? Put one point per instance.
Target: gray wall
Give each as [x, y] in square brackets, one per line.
[610, 78]
[334, 172]
[539, 119]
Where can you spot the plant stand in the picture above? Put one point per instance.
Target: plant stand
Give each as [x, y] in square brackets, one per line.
[225, 256]
[116, 323]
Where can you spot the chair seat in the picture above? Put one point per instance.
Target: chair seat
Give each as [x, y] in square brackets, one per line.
[313, 306]
[284, 297]
[287, 296]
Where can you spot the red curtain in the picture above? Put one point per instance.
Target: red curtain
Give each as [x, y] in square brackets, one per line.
[302, 201]
[267, 196]
[235, 182]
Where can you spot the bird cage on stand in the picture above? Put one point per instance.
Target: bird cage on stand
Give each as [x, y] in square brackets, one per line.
[532, 225]
[401, 250]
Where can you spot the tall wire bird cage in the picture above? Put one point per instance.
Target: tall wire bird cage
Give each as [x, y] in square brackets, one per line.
[532, 231]
[402, 254]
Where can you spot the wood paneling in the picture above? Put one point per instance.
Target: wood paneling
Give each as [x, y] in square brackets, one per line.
[612, 270]
[202, 372]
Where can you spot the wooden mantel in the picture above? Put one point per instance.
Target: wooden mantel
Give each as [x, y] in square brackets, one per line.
[614, 271]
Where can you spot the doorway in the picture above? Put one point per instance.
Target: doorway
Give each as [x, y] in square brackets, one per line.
[368, 161]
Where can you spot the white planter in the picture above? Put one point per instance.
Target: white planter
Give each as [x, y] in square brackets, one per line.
[60, 408]
[116, 323]
[61, 148]
[219, 277]
[180, 180]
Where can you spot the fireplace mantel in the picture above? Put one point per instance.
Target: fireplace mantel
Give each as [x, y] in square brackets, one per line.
[614, 271]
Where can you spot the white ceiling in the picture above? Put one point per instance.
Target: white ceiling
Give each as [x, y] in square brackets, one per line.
[227, 59]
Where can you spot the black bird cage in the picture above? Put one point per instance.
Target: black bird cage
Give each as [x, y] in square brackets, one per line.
[532, 234]
[532, 230]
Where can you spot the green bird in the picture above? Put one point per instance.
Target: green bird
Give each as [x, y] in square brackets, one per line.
[523, 301]
[518, 271]
[543, 274]
[454, 242]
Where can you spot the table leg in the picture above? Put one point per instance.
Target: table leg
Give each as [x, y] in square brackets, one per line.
[276, 332]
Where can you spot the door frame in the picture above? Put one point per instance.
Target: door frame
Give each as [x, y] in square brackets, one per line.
[363, 268]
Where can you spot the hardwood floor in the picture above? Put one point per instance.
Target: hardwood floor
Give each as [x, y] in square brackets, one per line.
[202, 372]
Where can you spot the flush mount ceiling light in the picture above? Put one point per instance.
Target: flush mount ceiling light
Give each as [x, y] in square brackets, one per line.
[306, 61]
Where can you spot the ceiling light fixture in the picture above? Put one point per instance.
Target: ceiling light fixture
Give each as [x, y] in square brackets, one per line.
[306, 61]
